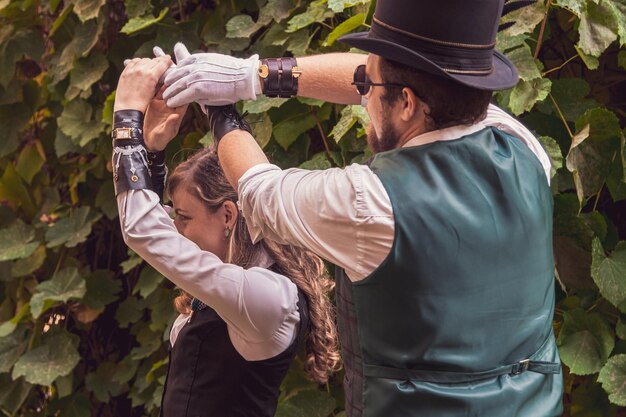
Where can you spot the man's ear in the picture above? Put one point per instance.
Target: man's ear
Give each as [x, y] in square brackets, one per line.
[230, 213]
[410, 105]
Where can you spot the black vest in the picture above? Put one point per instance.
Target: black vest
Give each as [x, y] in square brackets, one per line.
[207, 377]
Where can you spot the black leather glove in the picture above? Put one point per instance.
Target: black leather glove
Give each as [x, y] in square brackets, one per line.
[224, 119]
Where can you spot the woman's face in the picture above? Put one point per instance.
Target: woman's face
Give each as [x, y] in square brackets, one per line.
[198, 224]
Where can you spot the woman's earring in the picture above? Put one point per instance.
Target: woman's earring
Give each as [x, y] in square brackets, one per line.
[227, 231]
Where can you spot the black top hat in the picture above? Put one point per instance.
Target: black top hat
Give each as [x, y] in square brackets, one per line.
[448, 38]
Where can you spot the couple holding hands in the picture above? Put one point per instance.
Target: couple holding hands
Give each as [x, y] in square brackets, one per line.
[444, 286]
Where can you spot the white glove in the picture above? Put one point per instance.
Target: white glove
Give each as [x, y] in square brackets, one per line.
[210, 79]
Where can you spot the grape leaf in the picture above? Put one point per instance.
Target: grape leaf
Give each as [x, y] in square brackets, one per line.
[612, 378]
[72, 230]
[56, 357]
[17, 241]
[64, 285]
[609, 272]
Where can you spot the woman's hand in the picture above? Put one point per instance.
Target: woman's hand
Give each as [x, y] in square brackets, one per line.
[161, 123]
[138, 83]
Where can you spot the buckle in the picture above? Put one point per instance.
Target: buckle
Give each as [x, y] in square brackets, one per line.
[122, 133]
[520, 367]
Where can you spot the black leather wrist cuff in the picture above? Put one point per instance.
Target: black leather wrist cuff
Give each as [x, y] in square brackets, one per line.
[158, 172]
[128, 118]
[224, 119]
[156, 158]
[280, 77]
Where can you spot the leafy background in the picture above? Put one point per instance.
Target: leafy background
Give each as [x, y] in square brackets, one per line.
[84, 322]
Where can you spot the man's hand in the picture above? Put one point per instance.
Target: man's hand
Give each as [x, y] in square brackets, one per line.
[211, 79]
[161, 123]
[138, 83]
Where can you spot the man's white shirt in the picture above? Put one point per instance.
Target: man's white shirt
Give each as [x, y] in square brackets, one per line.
[344, 215]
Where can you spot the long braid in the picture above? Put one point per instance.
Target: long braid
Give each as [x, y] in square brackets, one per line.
[307, 271]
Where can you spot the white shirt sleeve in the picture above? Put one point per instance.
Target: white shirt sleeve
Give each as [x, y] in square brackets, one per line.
[342, 215]
[258, 305]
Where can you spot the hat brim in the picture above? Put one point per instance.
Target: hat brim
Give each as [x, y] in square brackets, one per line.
[503, 76]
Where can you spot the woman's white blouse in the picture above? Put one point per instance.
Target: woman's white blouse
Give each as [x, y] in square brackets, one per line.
[259, 306]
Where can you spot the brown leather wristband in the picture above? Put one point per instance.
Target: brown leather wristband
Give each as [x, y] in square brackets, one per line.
[279, 77]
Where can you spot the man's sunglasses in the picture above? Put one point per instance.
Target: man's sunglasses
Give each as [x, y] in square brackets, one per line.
[363, 83]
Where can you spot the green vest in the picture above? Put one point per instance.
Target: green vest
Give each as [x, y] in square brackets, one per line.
[457, 320]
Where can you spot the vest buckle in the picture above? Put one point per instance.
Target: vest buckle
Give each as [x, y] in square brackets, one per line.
[520, 367]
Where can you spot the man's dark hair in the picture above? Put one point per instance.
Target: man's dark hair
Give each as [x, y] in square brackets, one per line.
[450, 103]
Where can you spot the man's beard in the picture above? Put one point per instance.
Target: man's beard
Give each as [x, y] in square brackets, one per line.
[388, 140]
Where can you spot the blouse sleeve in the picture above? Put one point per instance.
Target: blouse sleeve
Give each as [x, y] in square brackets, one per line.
[258, 305]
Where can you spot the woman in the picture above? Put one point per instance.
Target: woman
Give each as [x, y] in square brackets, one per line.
[245, 306]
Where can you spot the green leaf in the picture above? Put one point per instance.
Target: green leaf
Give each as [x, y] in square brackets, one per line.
[107, 111]
[139, 23]
[277, 10]
[349, 116]
[146, 350]
[525, 63]
[526, 93]
[609, 273]
[338, 6]
[102, 384]
[87, 9]
[149, 280]
[262, 104]
[20, 42]
[63, 144]
[13, 118]
[12, 189]
[31, 159]
[65, 385]
[526, 19]
[11, 348]
[554, 152]
[76, 122]
[86, 37]
[56, 357]
[101, 289]
[126, 370]
[576, 6]
[86, 72]
[310, 403]
[29, 265]
[287, 131]
[129, 311]
[133, 261]
[593, 149]
[64, 285]
[9, 327]
[241, 26]
[261, 129]
[72, 230]
[598, 27]
[612, 378]
[13, 393]
[585, 341]
[346, 26]
[570, 95]
[16, 241]
[590, 400]
[319, 161]
[316, 12]
[136, 8]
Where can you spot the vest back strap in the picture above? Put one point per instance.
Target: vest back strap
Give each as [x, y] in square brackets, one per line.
[460, 377]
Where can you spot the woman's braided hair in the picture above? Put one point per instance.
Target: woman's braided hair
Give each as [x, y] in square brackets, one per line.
[203, 177]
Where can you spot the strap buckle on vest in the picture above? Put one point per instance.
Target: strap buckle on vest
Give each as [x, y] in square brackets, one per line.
[520, 367]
